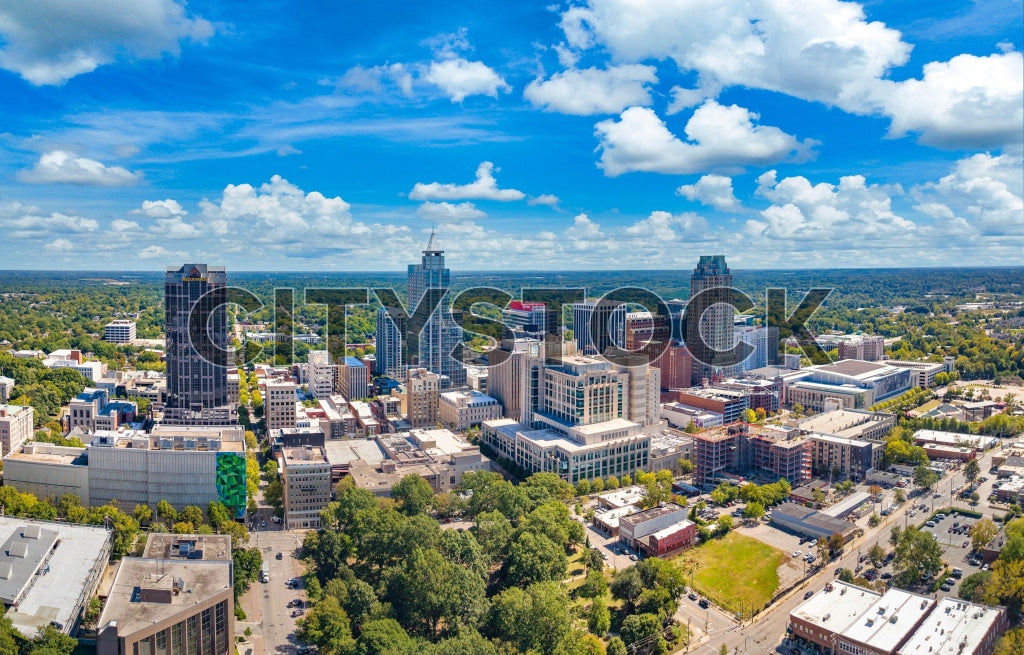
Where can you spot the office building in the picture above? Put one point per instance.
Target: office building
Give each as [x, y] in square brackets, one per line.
[390, 345]
[730, 403]
[598, 325]
[460, 410]
[353, 379]
[712, 280]
[438, 456]
[676, 366]
[50, 571]
[850, 424]
[178, 599]
[306, 476]
[279, 400]
[863, 347]
[505, 373]
[197, 363]
[16, 427]
[765, 344]
[120, 331]
[525, 317]
[6, 387]
[321, 373]
[92, 410]
[422, 397]
[851, 383]
[440, 336]
[839, 458]
[925, 371]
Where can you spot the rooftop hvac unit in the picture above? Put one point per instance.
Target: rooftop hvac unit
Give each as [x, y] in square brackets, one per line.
[191, 444]
[31, 532]
[6, 571]
[214, 444]
[166, 442]
[893, 619]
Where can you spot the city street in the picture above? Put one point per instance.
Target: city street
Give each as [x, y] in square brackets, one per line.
[273, 626]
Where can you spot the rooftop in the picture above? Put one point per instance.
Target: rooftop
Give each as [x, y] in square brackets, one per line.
[842, 422]
[210, 547]
[853, 367]
[890, 619]
[838, 609]
[624, 497]
[342, 452]
[652, 513]
[191, 582]
[79, 555]
[954, 627]
[303, 455]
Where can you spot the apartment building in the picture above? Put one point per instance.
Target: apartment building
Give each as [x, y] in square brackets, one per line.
[16, 427]
[120, 331]
[306, 475]
[461, 410]
[279, 402]
[422, 397]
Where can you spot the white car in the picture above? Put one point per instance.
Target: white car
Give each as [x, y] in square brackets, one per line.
[797, 553]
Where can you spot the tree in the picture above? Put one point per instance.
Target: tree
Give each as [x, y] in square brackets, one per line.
[894, 535]
[972, 470]
[835, 544]
[1011, 643]
[876, 554]
[753, 511]
[191, 514]
[274, 494]
[616, 647]
[925, 478]
[916, 553]
[142, 513]
[594, 585]
[384, 637]
[413, 494]
[534, 618]
[685, 466]
[534, 558]
[51, 641]
[429, 594]
[600, 619]
[875, 492]
[326, 626]
[974, 586]
[724, 525]
[583, 487]
[646, 628]
[166, 512]
[899, 497]
[822, 547]
[984, 532]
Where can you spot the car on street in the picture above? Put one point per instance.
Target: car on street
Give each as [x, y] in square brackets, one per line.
[704, 604]
[808, 595]
[797, 553]
[279, 556]
[632, 557]
[965, 544]
[298, 612]
[692, 595]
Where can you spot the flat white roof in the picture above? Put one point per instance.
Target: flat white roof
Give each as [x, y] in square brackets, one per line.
[610, 517]
[952, 624]
[836, 610]
[77, 561]
[954, 438]
[345, 451]
[889, 619]
[855, 499]
[670, 530]
[625, 496]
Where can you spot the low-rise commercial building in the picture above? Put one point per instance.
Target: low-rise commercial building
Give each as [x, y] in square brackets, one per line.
[175, 600]
[49, 571]
[978, 442]
[924, 372]
[809, 522]
[16, 427]
[439, 456]
[658, 530]
[461, 410]
[957, 627]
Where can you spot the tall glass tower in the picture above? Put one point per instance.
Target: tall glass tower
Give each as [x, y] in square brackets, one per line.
[713, 280]
[440, 335]
[197, 359]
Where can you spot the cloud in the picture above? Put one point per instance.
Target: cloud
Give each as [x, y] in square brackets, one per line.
[59, 167]
[713, 190]
[168, 208]
[445, 212]
[822, 50]
[378, 78]
[159, 252]
[485, 187]
[59, 245]
[983, 191]
[719, 137]
[823, 212]
[459, 78]
[593, 91]
[278, 214]
[544, 199]
[51, 41]
[660, 226]
[966, 102]
[121, 225]
[583, 228]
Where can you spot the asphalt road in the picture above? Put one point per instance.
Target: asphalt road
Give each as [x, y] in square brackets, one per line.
[278, 626]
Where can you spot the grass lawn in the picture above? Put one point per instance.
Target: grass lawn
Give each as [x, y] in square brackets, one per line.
[735, 571]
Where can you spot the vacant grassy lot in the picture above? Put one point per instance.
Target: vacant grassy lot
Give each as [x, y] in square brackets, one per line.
[734, 572]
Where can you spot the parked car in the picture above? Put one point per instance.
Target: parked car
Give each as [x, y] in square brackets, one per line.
[965, 544]
[886, 575]
[797, 553]
[279, 556]
[808, 595]
[703, 603]
[692, 595]
[298, 612]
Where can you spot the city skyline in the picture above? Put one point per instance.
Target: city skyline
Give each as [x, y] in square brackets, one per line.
[602, 135]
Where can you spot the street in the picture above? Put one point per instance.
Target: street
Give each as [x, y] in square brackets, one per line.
[270, 620]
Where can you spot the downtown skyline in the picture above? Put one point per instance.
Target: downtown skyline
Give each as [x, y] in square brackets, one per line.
[560, 137]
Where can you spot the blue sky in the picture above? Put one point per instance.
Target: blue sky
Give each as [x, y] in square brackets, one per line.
[605, 134]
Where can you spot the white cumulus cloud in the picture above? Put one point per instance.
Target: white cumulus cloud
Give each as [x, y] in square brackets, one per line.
[967, 101]
[548, 199]
[51, 41]
[60, 167]
[713, 190]
[459, 78]
[983, 191]
[446, 211]
[592, 90]
[484, 187]
[719, 137]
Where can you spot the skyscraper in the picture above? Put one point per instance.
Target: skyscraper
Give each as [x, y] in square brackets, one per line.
[440, 335]
[599, 325]
[713, 281]
[195, 297]
[390, 332]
